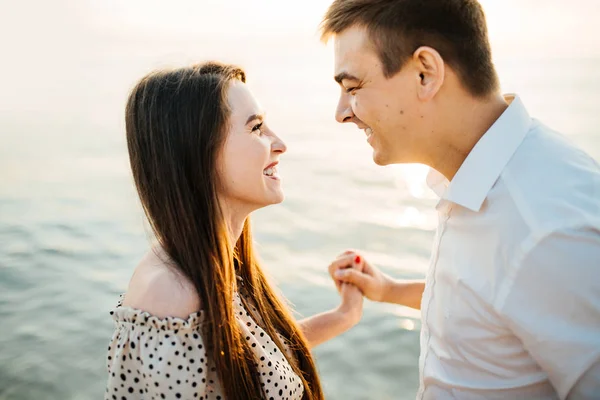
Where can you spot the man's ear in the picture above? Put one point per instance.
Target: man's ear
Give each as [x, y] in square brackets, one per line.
[432, 72]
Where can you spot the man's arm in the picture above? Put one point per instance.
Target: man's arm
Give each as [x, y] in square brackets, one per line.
[553, 305]
[405, 292]
[588, 385]
[351, 267]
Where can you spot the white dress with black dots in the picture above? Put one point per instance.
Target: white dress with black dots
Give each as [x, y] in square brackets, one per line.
[154, 358]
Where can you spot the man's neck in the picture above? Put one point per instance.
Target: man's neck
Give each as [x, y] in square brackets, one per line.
[466, 122]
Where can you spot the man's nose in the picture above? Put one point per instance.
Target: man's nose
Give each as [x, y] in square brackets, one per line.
[344, 113]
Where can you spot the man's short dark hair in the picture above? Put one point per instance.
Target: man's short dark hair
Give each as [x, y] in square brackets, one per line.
[455, 28]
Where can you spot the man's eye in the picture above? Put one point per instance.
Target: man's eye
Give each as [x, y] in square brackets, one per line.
[350, 90]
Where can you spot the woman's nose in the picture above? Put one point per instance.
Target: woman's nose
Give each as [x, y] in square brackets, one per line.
[278, 145]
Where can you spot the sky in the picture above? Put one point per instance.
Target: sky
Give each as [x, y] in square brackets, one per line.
[547, 24]
[53, 46]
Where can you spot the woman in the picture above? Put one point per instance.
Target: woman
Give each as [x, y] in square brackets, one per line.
[199, 319]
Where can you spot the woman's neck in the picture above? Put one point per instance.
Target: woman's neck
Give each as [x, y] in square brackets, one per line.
[234, 218]
[235, 227]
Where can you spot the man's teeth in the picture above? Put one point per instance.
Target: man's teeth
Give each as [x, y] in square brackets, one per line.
[369, 132]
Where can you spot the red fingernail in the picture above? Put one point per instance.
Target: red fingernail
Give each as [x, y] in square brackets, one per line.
[357, 260]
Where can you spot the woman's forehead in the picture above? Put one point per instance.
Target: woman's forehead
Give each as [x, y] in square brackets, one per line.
[242, 102]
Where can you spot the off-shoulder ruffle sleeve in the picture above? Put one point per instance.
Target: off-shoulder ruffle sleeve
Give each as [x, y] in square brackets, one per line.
[154, 358]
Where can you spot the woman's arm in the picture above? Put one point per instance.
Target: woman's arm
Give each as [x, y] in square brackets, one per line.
[325, 326]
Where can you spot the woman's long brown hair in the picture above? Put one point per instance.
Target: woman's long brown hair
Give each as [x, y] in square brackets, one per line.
[176, 124]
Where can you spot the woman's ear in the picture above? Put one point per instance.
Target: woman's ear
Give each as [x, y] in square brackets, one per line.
[432, 72]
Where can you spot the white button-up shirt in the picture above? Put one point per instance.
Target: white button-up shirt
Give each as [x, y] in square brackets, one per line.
[511, 307]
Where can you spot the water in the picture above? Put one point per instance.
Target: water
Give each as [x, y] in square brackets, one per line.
[71, 229]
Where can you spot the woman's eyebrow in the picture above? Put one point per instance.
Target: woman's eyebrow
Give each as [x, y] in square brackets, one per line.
[252, 117]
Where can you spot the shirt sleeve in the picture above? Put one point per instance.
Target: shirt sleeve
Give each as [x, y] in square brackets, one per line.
[553, 306]
[152, 358]
[588, 386]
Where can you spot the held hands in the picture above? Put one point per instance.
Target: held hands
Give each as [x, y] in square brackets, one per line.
[351, 306]
[351, 268]
[353, 277]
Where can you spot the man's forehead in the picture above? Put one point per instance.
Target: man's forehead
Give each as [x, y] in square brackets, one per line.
[352, 49]
[351, 40]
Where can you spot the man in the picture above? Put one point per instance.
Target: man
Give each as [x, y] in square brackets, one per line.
[511, 301]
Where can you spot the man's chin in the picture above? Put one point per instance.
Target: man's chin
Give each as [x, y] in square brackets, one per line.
[380, 159]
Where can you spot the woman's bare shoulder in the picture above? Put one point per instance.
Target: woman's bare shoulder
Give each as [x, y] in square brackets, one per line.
[158, 288]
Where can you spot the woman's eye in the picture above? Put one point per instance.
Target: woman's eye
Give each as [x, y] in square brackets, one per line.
[257, 127]
[350, 90]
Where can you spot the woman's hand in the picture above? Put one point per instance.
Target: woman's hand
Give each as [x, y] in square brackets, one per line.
[351, 268]
[351, 308]
[325, 326]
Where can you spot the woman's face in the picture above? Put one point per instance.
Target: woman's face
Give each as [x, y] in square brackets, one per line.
[248, 162]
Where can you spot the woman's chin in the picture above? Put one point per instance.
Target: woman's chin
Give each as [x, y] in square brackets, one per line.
[278, 198]
[269, 200]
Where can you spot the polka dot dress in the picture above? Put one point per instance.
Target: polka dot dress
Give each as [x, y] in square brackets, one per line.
[153, 358]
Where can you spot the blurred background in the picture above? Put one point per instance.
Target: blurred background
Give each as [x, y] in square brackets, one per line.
[71, 229]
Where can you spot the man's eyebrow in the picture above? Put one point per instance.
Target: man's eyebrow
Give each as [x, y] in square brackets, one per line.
[251, 118]
[344, 75]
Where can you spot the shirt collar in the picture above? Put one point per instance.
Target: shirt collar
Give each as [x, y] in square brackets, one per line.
[484, 164]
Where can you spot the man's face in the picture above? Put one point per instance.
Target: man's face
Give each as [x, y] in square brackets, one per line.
[387, 109]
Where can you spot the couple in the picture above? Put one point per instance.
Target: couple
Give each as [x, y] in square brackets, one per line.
[511, 301]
